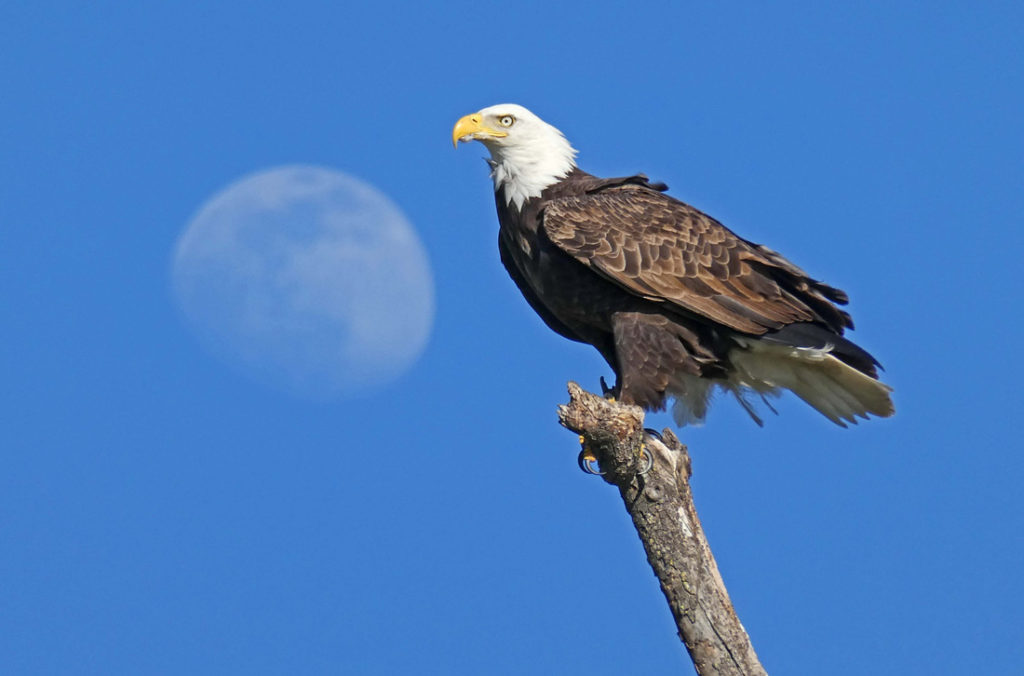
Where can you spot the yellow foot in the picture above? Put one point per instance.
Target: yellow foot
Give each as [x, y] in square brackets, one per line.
[586, 455]
[587, 460]
[647, 457]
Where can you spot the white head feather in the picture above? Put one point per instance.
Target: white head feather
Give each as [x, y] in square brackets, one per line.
[530, 156]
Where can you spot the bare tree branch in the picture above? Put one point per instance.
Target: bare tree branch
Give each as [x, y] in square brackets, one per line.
[661, 505]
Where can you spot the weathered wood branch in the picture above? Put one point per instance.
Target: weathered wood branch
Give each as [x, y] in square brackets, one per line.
[661, 505]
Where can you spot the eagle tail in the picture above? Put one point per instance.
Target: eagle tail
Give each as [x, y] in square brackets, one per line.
[837, 390]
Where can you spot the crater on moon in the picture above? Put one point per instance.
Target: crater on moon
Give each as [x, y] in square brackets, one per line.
[307, 279]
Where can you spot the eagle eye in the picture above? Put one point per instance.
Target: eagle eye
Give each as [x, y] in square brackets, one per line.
[506, 120]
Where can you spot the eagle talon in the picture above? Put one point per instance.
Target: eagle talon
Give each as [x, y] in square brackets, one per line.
[654, 433]
[587, 460]
[588, 463]
[649, 457]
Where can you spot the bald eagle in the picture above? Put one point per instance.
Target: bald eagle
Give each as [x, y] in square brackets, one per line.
[676, 303]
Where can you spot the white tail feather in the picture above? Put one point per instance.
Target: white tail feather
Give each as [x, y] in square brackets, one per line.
[840, 392]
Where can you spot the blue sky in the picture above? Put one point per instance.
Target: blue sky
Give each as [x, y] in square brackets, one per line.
[161, 513]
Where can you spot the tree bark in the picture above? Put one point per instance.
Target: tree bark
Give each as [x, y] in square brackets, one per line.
[661, 505]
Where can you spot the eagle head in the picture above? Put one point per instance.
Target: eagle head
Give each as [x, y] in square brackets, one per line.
[527, 153]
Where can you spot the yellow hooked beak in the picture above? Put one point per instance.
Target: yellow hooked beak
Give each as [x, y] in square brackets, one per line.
[472, 128]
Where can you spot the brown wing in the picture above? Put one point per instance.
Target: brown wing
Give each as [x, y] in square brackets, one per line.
[662, 249]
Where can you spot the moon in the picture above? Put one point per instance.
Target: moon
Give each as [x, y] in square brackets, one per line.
[306, 279]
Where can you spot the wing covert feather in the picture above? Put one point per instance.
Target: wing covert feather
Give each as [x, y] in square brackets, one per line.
[662, 249]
